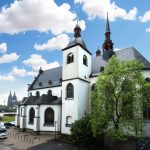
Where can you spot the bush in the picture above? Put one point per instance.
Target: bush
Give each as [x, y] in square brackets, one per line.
[81, 131]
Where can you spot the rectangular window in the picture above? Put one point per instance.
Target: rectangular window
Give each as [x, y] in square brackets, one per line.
[146, 113]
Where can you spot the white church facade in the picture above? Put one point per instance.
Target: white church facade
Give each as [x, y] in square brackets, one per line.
[59, 96]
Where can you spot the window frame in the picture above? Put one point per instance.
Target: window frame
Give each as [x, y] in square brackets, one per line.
[31, 116]
[85, 60]
[69, 92]
[70, 58]
[68, 120]
[49, 117]
[146, 116]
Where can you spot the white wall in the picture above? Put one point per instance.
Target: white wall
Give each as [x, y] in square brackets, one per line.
[146, 73]
[39, 112]
[69, 105]
[83, 98]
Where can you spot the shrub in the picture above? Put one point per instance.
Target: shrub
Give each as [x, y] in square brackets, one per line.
[81, 131]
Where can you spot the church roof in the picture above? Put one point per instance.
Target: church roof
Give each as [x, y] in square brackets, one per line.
[77, 41]
[41, 100]
[53, 77]
[48, 78]
[123, 54]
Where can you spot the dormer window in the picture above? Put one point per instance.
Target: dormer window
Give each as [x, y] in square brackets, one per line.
[70, 58]
[49, 82]
[85, 60]
[40, 83]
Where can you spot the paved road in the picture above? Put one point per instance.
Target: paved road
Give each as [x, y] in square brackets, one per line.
[52, 145]
[3, 147]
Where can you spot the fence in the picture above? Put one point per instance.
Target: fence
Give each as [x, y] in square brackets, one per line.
[24, 138]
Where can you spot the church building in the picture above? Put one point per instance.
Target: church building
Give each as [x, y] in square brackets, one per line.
[59, 96]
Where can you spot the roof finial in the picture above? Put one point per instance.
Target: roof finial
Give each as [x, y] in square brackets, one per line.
[77, 30]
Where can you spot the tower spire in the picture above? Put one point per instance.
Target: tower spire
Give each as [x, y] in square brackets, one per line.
[107, 24]
[10, 95]
[108, 44]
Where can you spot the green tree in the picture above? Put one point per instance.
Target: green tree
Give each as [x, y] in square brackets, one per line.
[118, 99]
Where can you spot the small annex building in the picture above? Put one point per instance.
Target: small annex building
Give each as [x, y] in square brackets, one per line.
[59, 96]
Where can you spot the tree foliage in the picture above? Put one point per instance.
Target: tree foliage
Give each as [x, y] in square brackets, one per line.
[118, 99]
[81, 131]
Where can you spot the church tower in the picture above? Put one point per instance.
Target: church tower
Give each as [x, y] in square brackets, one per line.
[14, 97]
[75, 80]
[108, 44]
[9, 102]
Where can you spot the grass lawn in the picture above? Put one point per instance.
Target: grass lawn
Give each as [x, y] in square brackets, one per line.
[8, 118]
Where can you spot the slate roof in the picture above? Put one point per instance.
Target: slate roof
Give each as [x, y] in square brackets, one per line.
[42, 100]
[55, 75]
[77, 41]
[123, 54]
[48, 78]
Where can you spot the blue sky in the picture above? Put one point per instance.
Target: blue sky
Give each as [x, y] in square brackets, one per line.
[33, 32]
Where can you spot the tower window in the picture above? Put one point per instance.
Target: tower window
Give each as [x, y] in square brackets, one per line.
[70, 58]
[85, 60]
[70, 91]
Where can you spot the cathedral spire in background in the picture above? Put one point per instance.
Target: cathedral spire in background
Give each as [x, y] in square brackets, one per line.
[14, 96]
[10, 95]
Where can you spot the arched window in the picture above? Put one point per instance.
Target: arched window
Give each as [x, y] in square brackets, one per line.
[38, 94]
[68, 121]
[70, 58]
[31, 115]
[70, 91]
[85, 60]
[49, 116]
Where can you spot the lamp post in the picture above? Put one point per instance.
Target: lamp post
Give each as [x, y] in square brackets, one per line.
[55, 129]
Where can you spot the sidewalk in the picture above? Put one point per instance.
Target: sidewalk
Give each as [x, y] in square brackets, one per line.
[28, 141]
[24, 140]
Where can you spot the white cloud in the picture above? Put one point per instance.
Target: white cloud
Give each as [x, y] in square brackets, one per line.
[148, 30]
[146, 17]
[7, 58]
[36, 61]
[39, 15]
[117, 49]
[6, 77]
[99, 8]
[3, 47]
[56, 43]
[22, 72]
